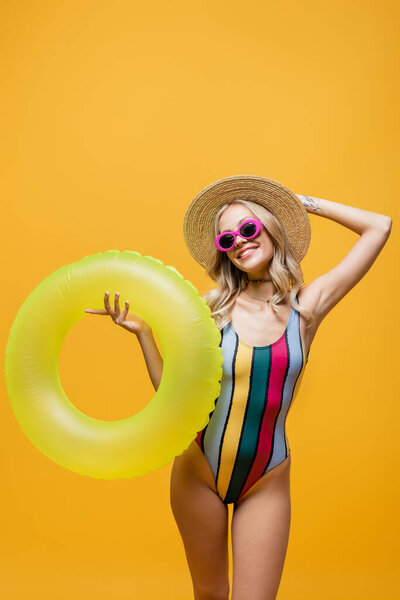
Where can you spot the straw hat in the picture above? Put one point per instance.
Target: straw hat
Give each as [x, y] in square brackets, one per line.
[284, 204]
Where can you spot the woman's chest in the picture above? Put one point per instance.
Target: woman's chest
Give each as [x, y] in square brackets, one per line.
[260, 328]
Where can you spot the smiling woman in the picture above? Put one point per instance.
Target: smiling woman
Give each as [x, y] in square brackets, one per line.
[242, 264]
[250, 234]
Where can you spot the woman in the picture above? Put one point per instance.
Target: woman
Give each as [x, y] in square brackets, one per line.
[250, 234]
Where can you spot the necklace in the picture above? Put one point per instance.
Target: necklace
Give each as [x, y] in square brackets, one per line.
[261, 299]
[258, 280]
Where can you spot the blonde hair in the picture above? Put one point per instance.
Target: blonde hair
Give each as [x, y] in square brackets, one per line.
[284, 270]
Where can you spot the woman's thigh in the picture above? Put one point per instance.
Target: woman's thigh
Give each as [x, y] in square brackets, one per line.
[202, 519]
[260, 535]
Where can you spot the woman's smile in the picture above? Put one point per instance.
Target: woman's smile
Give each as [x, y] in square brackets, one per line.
[247, 253]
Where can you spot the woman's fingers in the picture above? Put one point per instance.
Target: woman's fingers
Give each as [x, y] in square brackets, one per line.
[117, 310]
[108, 310]
[116, 314]
[120, 319]
[107, 303]
[135, 324]
[101, 311]
[125, 311]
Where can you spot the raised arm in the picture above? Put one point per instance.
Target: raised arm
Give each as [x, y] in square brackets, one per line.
[374, 230]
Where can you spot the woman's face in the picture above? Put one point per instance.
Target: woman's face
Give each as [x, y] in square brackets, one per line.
[255, 262]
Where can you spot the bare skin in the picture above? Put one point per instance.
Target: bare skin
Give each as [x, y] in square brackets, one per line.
[260, 529]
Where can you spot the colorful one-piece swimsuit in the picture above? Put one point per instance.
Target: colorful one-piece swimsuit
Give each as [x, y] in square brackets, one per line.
[246, 434]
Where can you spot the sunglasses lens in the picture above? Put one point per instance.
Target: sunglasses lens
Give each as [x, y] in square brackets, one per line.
[226, 241]
[248, 229]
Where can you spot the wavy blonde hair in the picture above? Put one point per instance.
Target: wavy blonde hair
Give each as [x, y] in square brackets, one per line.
[284, 270]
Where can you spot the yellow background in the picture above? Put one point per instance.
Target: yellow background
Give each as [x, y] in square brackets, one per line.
[113, 116]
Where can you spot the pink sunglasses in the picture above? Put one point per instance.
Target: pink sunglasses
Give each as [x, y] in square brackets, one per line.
[247, 230]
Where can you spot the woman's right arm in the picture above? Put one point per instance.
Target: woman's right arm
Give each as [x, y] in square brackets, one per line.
[154, 361]
[140, 328]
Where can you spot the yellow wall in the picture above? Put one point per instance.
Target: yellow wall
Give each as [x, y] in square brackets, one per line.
[113, 116]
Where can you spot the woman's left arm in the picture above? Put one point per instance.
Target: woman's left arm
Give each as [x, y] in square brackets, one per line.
[374, 230]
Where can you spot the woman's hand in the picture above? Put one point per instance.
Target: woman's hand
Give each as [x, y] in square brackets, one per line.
[131, 322]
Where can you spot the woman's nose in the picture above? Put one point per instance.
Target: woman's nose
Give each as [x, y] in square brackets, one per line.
[240, 240]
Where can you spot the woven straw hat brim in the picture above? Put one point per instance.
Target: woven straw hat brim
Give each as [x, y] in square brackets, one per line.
[282, 202]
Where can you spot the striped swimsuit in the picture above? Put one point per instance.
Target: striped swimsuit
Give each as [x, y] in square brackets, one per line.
[245, 436]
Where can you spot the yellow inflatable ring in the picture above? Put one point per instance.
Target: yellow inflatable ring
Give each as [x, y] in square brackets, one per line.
[192, 369]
